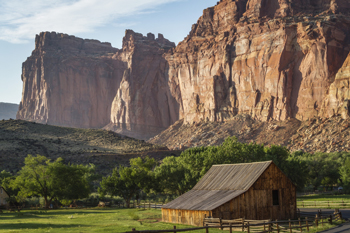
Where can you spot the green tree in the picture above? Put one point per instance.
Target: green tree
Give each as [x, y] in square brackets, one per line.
[51, 180]
[128, 182]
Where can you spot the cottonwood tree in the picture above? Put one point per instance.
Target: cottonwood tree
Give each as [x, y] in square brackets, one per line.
[128, 182]
[52, 180]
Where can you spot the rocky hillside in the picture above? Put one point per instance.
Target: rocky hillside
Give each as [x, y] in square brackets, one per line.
[105, 149]
[8, 111]
[278, 60]
[316, 134]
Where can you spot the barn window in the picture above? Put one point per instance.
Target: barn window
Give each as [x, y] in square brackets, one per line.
[275, 197]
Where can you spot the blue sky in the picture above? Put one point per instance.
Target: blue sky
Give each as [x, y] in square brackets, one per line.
[105, 20]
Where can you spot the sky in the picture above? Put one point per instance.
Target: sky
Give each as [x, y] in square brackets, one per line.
[106, 21]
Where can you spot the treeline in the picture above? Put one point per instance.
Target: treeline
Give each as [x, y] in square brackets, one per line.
[59, 182]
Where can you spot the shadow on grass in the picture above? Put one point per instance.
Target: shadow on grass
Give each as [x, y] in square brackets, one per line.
[14, 226]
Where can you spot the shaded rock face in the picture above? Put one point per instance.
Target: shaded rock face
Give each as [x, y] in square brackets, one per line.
[67, 81]
[271, 59]
[73, 82]
[143, 104]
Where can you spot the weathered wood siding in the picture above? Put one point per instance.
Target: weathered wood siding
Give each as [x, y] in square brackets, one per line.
[257, 202]
[189, 217]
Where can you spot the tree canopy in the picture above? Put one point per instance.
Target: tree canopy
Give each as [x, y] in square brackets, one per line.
[51, 180]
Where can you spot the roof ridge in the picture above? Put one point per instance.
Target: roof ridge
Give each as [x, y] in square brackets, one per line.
[232, 164]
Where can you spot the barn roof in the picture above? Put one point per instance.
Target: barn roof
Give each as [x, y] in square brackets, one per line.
[219, 185]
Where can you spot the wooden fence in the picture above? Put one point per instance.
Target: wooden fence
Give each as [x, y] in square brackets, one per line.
[259, 226]
[323, 204]
[148, 205]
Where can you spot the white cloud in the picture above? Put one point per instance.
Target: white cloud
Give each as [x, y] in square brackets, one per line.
[20, 20]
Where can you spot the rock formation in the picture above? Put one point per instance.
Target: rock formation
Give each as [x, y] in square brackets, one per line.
[143, 104]
[73, 82]
[269, 59]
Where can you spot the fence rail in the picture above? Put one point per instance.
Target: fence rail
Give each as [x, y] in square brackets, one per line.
[322, 204]
[259, 226]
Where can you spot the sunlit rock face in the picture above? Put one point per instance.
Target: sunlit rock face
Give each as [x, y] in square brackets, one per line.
[269, 59]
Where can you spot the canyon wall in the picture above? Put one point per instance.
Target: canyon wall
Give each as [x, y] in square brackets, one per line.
[270, 59]
[68, 81]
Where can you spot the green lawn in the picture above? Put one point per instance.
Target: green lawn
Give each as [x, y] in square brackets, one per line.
[87, 220]
[324, 201]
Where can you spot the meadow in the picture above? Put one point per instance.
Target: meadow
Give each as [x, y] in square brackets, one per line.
[84, 220]
[324, 201]
[89, 220]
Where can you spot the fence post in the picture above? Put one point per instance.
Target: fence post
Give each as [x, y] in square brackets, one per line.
[242, 224]
[248, 228]
[298, 213]
[315, 203]
[290, 226]
[230, 227]
[301, 228]
[221, 224]
[149, 205]
[270, 224]
[264, 227]
[207, 230]
[174, 229]
[278, 229]
[316, 220]
[307, 224]
[330, 219]
[205, 216]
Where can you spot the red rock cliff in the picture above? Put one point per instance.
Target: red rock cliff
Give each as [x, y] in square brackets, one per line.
[266, 58]
[271, 59]
[73, 82]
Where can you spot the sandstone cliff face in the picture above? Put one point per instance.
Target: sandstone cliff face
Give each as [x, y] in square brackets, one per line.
[67, 81]
[269, 59]
[73, 82]
[143, 105]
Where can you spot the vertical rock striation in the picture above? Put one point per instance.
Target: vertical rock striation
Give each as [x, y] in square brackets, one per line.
[73, 82]
[143, 105]
[271, 59]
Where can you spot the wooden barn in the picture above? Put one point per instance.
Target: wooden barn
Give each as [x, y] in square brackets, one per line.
[254, 191]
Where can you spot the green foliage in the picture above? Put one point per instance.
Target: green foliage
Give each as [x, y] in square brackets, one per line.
[128, 182]
[324, 168]
[51, 180]
[180, 174]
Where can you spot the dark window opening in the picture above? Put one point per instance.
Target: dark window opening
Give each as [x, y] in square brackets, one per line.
[275, 197]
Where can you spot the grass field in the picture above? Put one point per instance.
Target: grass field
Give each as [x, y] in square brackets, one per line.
[84, 220]
[324, 201]
[87, 220]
